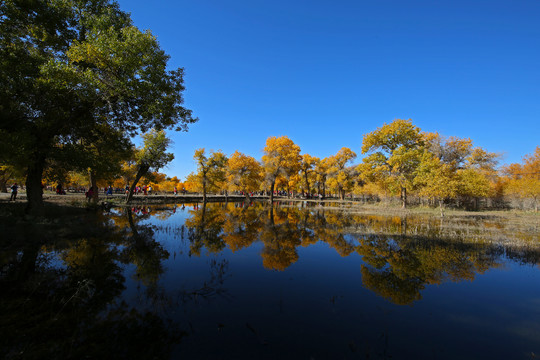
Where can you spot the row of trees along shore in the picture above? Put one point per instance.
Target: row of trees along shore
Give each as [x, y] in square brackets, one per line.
[399, 161]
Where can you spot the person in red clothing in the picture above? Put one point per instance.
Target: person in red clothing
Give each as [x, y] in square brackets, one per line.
[90, 194]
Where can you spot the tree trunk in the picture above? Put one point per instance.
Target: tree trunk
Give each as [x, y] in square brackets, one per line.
[140, 173]
[341, 193]
[441, 206]
[403, 197]
[204, 190]
[307, 183]
[93, 184]
[34, 191]
[272, 192]
[3, 185]
[246, 194]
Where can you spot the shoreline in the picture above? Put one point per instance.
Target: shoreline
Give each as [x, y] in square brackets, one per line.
[357, 207]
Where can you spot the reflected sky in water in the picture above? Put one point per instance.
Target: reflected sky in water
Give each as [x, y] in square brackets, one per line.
[229, 281]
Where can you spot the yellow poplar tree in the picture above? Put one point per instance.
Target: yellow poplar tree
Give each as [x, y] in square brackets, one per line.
[307, 167]
[210, 169]
[436, 179]
[281, 158]
[395, 151]
[321, 174]
[525, 179]
[244, 173]
[341, 176]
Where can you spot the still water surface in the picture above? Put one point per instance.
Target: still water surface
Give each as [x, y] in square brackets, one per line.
[228, 281]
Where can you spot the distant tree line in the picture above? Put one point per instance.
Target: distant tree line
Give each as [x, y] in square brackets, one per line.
[400, 161]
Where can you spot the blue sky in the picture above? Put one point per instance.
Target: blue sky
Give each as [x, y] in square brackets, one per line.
[326, 72]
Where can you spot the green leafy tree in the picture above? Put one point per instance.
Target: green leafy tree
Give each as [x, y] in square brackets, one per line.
[153, 155]
[69, 65]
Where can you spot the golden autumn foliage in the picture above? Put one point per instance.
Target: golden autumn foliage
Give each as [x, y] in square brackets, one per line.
[281, 158]
[341, 177]
[524, 179]
[395, 151]
[244, 173]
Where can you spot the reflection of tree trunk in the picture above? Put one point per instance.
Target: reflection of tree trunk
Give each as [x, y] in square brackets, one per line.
[272, 215]
[143, 169]
[93, 184]
[132, 224]
[202, 223]
[203, 212]
[34, 191]
[404, 226]
[28, 261]
[246, 195]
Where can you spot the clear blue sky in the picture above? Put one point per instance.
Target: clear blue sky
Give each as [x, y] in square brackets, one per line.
[326, 72]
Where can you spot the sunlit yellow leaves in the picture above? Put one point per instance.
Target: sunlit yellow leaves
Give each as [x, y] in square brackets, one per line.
[389, 137]
[211, 170]
[281, 156]
[395, 150]
[436, 179]
[524, 180]
[244, 173]
[473, 183]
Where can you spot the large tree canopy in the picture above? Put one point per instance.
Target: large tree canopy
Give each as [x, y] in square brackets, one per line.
[67, 66]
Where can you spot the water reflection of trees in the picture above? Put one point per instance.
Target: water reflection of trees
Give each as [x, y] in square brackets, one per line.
[61, 298]
[401, 255]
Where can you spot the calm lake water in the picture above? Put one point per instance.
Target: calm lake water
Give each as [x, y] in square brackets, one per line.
[292, 281]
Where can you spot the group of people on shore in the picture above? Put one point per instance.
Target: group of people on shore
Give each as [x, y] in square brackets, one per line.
[145, 190]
